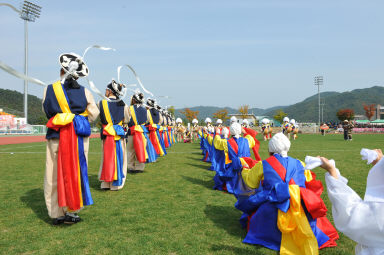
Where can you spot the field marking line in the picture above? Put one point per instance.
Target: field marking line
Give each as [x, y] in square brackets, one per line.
[29, 146]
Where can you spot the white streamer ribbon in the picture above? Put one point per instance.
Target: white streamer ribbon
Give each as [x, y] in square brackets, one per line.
[97, 47]
[92, 84]
[22, 76]
[136, 77]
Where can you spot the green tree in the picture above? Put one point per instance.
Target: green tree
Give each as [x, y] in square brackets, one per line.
[345, 114]
[243, 110]
[189, 114]
[279, 115]
[171, 110]
[221, 114]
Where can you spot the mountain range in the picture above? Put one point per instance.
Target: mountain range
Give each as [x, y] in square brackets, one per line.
[304, 111]
[308, 109]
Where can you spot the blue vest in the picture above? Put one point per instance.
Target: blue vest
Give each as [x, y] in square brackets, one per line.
[117, 114]
[141, 115]
[77, 103]
[155, 115]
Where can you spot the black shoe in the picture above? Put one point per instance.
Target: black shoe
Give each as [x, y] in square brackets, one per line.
[71, 219]
[105, 188]
[139, 171]
[131, 171]
[58, 221]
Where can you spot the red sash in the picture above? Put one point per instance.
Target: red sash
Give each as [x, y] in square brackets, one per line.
[255, 148]
[108, 172]
[250, 162]
[68, 188]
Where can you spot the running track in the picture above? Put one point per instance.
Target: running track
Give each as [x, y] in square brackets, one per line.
[27, 139]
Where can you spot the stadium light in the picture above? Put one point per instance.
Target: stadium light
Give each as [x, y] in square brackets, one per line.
[29, 12]
[318, 83]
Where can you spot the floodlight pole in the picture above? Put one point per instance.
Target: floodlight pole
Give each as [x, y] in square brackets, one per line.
[26, 70]
[28, 12]
[318, 83]
[322, 111]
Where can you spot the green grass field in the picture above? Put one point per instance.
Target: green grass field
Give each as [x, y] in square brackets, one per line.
[169, 209]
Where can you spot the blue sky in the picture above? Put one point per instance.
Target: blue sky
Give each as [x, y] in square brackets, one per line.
[212, 52]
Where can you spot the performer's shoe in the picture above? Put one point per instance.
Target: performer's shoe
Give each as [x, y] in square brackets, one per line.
[139, 171]
[58, 221]
[131, 171]
[71, 218]
[105, 188]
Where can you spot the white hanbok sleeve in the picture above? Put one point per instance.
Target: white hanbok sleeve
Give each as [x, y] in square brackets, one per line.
[361, 221]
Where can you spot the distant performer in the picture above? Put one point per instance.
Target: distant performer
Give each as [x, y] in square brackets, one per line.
[208, 122]
[194, 130]
[180, 130]
[219, 123]
[245, 124]
[286, 127]
[294, 127]
[324, 127]
[266, 128]
[348, 127]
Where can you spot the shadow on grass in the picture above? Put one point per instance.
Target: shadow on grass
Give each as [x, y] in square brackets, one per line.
[225, 217]
[194, 158]
[248, 249]
[205, 167]
[208, 184]
[94, 182]
[34, 199]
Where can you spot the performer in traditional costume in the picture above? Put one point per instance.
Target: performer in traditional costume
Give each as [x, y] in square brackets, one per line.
[323, 128]
[245, 123]
[208, 122]
[113, 115]
[286, 213]
[195, 130]
[361, 220]
[286, 127]
[160, 128]
[219, 123]
[180, 130]
[266, 128]
[237, 146]
[348, 127]
[164, 131]
[137, 142]
[155, 119]
[294, 127]
[69, 107]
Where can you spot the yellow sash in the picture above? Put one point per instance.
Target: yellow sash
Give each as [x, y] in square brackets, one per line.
[150, 117]
[67, 116]
[297, 236]
[109, 127]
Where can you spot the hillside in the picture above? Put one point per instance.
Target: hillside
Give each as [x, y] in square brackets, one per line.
[13, 102]
[307, 110]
